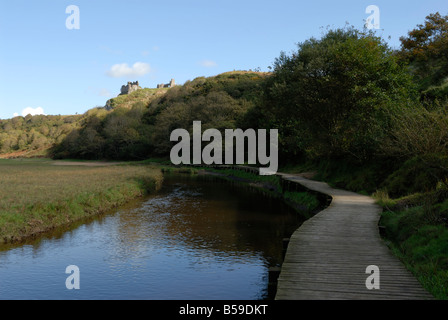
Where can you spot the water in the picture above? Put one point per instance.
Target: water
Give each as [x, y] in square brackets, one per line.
[199, 238]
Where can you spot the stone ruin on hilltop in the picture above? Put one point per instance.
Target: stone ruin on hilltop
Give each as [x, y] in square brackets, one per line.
[168, 85]
[129, 88]
[134, 86]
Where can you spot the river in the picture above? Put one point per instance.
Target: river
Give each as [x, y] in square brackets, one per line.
[198, 238]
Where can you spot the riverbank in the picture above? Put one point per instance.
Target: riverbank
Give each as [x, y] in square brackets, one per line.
[38, 196]
[299, 198]
[337, 245]
[413, 223]
[222, 237]
[414, 227]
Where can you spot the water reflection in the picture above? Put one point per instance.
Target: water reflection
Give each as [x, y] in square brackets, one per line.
[199, 238]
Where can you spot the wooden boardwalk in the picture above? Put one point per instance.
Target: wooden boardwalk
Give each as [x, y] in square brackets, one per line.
[328, 255]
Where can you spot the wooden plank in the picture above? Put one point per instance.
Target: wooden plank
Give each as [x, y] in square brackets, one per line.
[327, 256]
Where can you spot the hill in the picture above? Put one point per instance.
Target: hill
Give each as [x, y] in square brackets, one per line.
[128, 124]
[363, 116]
[143, 97]
[32, 136]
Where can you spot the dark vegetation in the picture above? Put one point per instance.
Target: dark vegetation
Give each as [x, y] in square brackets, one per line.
[363, 116]
[307, 203]
[138, 130]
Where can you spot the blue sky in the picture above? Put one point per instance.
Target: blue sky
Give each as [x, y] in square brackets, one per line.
[48, 68]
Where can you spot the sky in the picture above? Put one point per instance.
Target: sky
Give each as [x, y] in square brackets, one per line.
[66, 57]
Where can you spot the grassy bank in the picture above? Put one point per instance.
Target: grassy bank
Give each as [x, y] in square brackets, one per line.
[302, 201]
[270, 183]
[37, 196]
[417, 233]
[415, 221]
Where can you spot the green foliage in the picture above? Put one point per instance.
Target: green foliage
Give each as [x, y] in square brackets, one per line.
[425, 49]
[420, 237]
[140, 124]
[330, 97]
[216, 109]
[437, 92]
[304, 202]
[346, 106]
[272, 182]
[341, 102]
[143, 96]
[119, 134]
[382, 198]
[30, 134]
[416, 175]
[304, 199]
[348, 174]
[418, 131]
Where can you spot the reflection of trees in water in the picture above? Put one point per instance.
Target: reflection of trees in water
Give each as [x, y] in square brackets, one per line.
[210, 216]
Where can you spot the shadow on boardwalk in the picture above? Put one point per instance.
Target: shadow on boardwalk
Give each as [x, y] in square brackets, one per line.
[328, 255]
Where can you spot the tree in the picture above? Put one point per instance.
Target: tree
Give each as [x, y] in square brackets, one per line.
[425, 48]
[329, 98]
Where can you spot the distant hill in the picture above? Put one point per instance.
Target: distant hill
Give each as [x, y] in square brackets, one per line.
[136, 125]
[32, 136]
[141, 96]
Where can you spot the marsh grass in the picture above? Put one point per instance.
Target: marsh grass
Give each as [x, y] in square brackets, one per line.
[36, 196]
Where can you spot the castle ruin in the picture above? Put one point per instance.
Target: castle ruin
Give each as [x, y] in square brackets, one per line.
[130, 87]
[168, 85]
